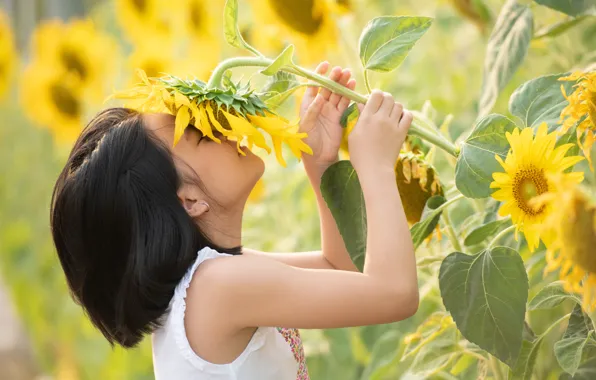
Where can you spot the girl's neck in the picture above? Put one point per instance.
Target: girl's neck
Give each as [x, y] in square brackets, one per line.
[223, 228]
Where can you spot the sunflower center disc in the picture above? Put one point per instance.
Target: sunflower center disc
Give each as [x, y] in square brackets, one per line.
[140, 5]
[196, 16]
[65, 100]
[73, 62]
[527, 184]
[298, 15]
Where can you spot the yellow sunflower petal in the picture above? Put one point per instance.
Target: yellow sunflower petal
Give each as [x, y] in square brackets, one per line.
[182, 120]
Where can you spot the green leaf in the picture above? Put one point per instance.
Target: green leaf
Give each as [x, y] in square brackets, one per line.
[569, 7]
[280, 82]
[552, 295]
[540, 100]
[506, 50]
[462, 364]
[386, 41]
[578, 336]
[284, 59]
[342, 193]
[476, 162]
[276, 99]
[486, 295]
[524, 367]
[428, 221]
[478, 235]
[560, 27]
[386, 349]
[231, 31]
[350, 115]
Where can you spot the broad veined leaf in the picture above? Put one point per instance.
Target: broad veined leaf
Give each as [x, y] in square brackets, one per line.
[428, 220]
[284, 59]
[274, 100]
[280, 82]
[349, 116]
[587, 369]
[486, 295]
[524, 367]
[506, 50]
[552, 295]
[231, 31]
[478, 235]
[386, 41]
[342, 193]
[385, 352]
[570, 7]
[540, 100]
[476, 162]
[578, 337]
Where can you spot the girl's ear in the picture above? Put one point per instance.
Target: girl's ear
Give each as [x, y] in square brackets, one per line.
[191, 200]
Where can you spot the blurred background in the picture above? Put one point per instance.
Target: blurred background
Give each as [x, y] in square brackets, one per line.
[59, 60]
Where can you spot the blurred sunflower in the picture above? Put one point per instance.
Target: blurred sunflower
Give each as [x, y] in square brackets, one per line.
[417, 181]
[582, 109]
[140, 18]
[77, 48]
[200, 27]
[235, 112]
[53, 100]
[8, 54]
[154, 58]
[309, 24]
[573, 225]
[529, 164]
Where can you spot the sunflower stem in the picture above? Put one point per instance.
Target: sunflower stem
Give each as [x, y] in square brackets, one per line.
[366, 82]
[451, 232]
[496, 368]
[415, 129]
[500, 235]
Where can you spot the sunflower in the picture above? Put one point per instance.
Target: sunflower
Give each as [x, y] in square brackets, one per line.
[528, 166]
[235, 112]
[53, 100]
[310, 25]
[573, 225]
[417, 181]
[154, 58]
[77, 48]
[138, 18]
[7, 54]
[582, 109]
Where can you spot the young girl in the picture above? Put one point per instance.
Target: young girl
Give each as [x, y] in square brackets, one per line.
[149, 237]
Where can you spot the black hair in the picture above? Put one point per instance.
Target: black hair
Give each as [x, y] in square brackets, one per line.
[122, 236]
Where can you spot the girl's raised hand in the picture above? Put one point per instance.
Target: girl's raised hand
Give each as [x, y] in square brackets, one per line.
[320, 112]
[379, 134]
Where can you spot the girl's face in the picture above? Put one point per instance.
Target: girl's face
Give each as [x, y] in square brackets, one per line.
[228, 176]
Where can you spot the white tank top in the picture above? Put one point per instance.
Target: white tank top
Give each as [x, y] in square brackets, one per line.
[271, 354]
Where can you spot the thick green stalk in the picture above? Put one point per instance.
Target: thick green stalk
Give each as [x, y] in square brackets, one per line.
[500, 235]
[415, 129]
[451, 232]
[496, 368]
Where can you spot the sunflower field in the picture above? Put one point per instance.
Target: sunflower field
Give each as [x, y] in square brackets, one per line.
[497, 175]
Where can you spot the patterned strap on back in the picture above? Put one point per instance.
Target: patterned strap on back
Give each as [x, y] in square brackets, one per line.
[292, 336]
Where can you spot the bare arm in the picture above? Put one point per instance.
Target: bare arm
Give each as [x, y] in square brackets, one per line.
[320, 114]
[253, 291]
